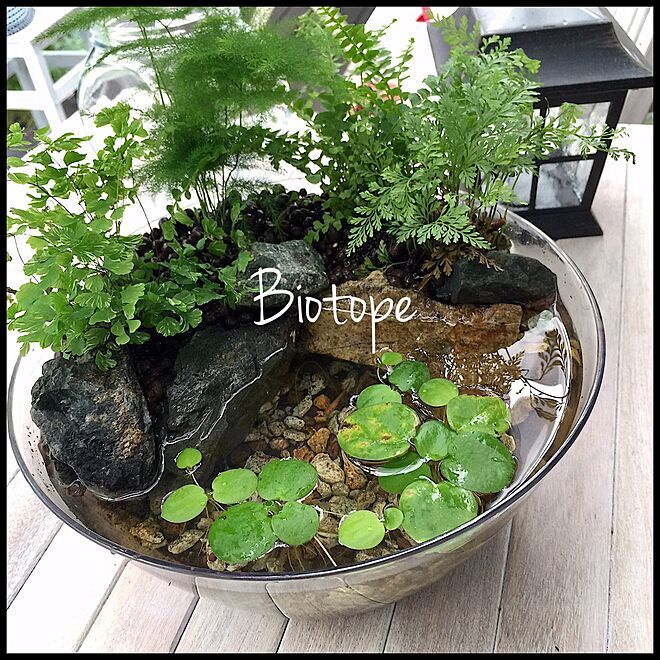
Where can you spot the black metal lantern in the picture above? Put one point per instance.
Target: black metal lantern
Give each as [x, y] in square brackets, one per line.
[586, 59]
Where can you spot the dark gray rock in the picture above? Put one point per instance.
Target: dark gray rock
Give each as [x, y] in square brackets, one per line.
[300, 265]
[222, 379]
[97, 423]
[522, 281]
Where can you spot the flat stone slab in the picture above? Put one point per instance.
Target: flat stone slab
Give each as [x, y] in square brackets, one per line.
[436, 328]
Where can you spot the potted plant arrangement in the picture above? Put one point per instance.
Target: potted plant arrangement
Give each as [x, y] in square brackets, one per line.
[274, 381]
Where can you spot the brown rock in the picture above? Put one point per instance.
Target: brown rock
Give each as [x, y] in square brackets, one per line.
[322, 402]
[435, 327]
[279, 444]
[355, 479]
[303, 453]
[333, 450]
[327, 469]
[319, 441]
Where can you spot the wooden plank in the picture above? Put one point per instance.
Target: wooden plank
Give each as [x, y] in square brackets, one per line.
[216, 628]
[63, 593]
[631, 596]
[362, 633]
[30, 530]
[461, 609]
[144, 613]
[555, 595]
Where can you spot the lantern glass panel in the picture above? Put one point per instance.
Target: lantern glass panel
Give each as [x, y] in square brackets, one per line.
[592, 119]
[522, 188]
[562, 185]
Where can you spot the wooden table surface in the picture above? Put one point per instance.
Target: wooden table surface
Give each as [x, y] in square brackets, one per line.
[572, 572]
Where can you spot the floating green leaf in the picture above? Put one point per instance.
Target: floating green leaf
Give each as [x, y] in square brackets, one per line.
[232, 486]
[392, 518]
[487, 414]
[479, 462]
[184, 504]
[296, 523]
[433, 440]
[188, 458]
[377, 394]
[437, 392]
[379, 432]
[431, 509]
[242, 533]
[361, 530]
[391, 358]
[409, 375]
[403, 470]
[286, 479]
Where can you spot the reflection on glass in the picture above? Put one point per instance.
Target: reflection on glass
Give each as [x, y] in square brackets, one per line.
[562, 184]
[593, 118]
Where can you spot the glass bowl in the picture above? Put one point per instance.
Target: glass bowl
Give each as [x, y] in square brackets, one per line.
[379, 581]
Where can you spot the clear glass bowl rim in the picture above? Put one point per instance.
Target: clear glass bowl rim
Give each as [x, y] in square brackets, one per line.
[499, 507]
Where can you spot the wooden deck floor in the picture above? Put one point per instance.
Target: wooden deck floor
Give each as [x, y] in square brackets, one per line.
[573, 571]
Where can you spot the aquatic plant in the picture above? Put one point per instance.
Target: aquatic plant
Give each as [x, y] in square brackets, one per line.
[436, 467]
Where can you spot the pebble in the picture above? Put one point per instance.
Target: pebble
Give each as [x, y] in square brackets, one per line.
[354, 494]
[340, 504]
[333, 423]
[235, 567]
[333, 450]
[379, 507]
[294, 422]
[279, 444]
[204, 523]
[317, 385]
[267, 407]
[216, 564]
[149, 534]
[185, 541]
[258, 445]
[276, 428]
[303, 407]
[365, 499]
[285, 453]
[327, 469]
[344, 413]
[303, 453]
[328, 524]
[322, 402]
[275, 562]
[340, 489]
[372, 553]
[509, 442]
[253, 436]
[257, 461]
[295, 436]
[355, 479]
[323, 489]
[319, 441]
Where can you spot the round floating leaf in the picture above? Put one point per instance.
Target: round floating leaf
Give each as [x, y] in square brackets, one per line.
[437, 392]
[433, 440]
[393, 517]
[361, 530]
[184, 504]
[486, 414]
[296, 523]
[188, 458]
[286, 479]
[391, 358]
[377, 394]
[409, 375]
[232, 486]
[379, 432]
[431, 509]
[403, 470]
[242, 533]
[479, 462]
